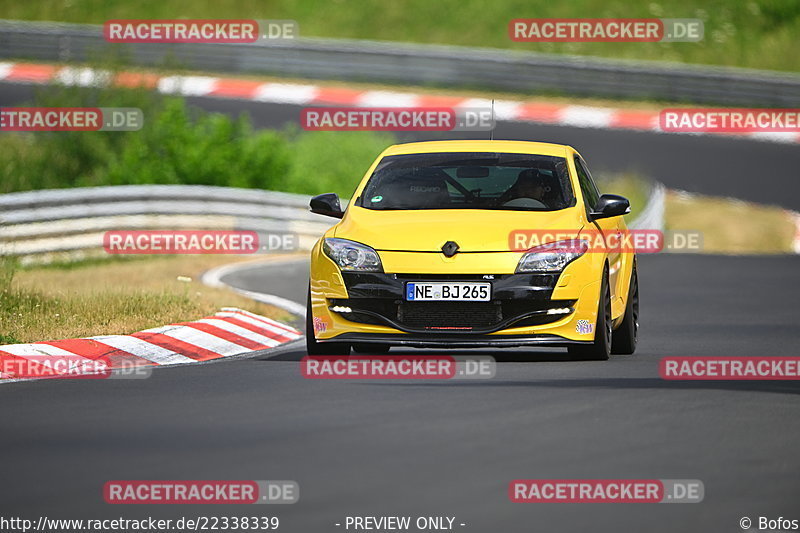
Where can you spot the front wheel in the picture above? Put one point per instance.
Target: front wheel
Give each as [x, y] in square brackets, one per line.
[600, 349]
[627, 334]
[320, 348]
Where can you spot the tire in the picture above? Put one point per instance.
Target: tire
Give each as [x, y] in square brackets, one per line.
[321, 348]
[371, 349]
[627, 334]
[600, 349]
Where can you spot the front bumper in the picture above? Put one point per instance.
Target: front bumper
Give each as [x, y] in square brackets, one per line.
[517, 300]
[456, 341]
[525, 309]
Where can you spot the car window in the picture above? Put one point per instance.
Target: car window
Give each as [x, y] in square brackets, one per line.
[590, 193]
[469, 180]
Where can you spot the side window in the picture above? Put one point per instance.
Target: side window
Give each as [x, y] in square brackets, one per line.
[590, 193]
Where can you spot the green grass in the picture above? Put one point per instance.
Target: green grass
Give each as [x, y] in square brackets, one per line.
[332, 161]
[182, 145]
[110, 297]
[632, 186]
[762, 34]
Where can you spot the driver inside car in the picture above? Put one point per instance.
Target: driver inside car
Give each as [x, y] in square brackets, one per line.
[527, 192]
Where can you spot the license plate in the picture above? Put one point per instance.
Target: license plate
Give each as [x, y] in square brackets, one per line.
[459, 292]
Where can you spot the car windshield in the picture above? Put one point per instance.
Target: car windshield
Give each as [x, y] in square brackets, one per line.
[461, 180]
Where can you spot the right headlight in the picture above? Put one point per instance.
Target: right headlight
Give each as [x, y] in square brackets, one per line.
[552, 257]
[352, 256]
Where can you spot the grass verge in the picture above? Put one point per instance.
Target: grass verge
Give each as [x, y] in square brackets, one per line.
[753, 33]
[731, 226]
[110, 298]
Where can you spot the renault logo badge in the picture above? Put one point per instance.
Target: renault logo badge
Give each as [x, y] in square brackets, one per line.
[450, 249]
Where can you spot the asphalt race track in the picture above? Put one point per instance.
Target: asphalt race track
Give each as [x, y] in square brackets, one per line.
[759, 171]
[451, 448]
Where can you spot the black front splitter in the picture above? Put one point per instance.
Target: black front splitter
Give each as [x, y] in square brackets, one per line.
[455, 341]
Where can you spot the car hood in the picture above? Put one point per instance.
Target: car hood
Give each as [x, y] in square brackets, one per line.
[426, 230]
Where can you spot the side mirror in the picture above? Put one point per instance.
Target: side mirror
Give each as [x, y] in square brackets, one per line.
[610, 205]
[327, 204]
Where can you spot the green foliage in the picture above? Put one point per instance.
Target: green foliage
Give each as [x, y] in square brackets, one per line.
[181, 145]
[207, 149]
[763, 34]
[332, 161]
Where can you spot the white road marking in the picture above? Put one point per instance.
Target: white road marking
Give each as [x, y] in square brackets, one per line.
[83, 77]
[269, 321]
[260, 324]
[387, 99]
[503, 109]
[187, 85]
[45, 354]
[201, 339]
[5, 69]
[290, 93]
[145, 350]
[587, 117]
[240, 331]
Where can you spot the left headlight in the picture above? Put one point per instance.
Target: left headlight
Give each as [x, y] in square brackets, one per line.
[353, 256]
[552, 257]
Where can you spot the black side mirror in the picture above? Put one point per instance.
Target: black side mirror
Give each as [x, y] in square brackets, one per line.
[610, 205]
[327, 204]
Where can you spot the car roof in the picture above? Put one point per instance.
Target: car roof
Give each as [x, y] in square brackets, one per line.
[517, 147]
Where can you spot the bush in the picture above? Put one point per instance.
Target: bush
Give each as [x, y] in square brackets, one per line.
[208, 149]
[179, 145]
[327, 161]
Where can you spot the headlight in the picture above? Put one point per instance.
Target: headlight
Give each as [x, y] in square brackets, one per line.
[352, 256]
[552, 257]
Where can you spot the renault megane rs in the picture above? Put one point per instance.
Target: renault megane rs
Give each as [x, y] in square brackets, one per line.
[428, 254]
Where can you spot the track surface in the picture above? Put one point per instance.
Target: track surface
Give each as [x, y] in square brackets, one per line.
[396, 448]
[752, 170]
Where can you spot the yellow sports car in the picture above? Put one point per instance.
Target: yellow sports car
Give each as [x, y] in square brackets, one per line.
[451, 244]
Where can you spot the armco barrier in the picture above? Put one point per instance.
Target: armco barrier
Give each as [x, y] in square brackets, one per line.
[66, 224]
[420, 64]
[651, 216]
[36, 225]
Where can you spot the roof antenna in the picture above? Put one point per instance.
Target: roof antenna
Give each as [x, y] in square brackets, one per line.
[491, 131]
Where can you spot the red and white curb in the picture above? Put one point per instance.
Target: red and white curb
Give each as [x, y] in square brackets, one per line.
[309, 94]
[229, 332]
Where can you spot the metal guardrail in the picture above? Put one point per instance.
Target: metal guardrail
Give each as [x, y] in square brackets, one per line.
[69, 224]
[651, 217]
[420, 64]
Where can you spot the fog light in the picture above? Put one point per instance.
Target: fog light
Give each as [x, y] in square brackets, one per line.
[559, 311]
[341, 309]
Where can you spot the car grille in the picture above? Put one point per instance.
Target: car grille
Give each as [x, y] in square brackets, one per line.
[449, 315]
